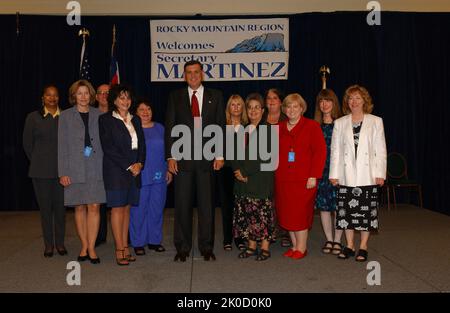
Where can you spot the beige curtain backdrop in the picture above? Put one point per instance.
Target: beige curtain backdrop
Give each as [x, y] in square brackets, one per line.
[214, 7]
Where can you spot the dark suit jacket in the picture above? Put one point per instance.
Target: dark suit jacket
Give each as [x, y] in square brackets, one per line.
[179, 113]
[117, 152]
[260, 183]
[40, 142]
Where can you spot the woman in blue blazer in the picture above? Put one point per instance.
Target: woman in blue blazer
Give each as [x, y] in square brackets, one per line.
[123, 144]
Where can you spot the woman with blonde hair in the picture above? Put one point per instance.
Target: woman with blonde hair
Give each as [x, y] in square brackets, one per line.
[80, 165]
[236, 116]
[328, 110]
[302, 155]
[358, 166]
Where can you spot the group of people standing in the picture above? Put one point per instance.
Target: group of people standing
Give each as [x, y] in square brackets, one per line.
[320, 161]
[86, 156]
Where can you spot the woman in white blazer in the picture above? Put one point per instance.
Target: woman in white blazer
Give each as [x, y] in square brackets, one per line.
[358, 159]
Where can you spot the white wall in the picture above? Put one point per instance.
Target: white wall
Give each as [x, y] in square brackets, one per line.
[214, 7]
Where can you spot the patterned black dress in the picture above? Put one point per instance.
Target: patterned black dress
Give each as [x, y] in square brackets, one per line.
[357, 206]
[326, 192]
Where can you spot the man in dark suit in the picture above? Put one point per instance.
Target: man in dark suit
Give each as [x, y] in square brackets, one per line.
[187, 106]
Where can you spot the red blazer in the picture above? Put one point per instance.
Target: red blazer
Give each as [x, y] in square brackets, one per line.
[307, 141]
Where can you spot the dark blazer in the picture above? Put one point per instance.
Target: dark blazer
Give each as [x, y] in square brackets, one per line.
[118, 155]
[40, 142]
[179, 113]
[71, 132]
[260, 183]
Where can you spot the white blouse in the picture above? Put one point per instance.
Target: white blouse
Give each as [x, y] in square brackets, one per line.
[130, 127]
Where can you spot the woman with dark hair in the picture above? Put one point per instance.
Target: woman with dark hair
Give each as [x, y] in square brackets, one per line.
[274, 99]
[253, 217]
[273, 115]
[328, 110]
[147, 218]
[40, 142]
[358, 166]
[123, 144]
[80, 158]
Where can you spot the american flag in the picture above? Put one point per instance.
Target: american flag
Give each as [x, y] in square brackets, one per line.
[85, 69]
[114, 71]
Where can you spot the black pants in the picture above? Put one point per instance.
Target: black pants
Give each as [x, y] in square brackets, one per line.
[189, 184]
[50, 198]
[225, 184]
[103, 229]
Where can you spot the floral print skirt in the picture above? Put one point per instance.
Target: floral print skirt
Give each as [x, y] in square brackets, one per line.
[253, 219]
[358, 208]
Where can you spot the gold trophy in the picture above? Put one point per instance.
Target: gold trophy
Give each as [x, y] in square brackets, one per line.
[325, 72]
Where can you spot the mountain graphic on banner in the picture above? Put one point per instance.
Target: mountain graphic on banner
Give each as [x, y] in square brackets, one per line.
[270, 42]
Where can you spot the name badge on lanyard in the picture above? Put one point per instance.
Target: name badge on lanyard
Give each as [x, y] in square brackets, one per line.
[87, 151]
[291, 156]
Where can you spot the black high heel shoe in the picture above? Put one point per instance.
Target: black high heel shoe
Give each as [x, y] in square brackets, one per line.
[82, 258]
[94, 260]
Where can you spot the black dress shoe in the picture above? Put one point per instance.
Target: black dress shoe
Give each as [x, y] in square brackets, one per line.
[209, 256]
[180, 256]
[61, 251]
[82, 258]
[157, 248]
[48, 251]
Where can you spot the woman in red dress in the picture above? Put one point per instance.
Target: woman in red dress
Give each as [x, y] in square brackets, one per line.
[302, 155]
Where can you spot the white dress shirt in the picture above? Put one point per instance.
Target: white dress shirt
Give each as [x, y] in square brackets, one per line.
[130, 127]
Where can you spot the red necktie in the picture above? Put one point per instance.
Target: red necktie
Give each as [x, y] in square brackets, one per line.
[194, 105]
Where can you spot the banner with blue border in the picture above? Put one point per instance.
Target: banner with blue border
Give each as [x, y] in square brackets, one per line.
[234, 49]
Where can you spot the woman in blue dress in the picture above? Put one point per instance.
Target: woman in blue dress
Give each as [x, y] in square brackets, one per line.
[146, 219]
[328, 110]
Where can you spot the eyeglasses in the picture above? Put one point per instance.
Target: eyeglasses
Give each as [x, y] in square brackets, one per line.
[103, 92]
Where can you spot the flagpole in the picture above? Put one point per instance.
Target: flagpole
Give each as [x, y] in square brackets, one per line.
[114, 39]
[83, 32]
[114, 66]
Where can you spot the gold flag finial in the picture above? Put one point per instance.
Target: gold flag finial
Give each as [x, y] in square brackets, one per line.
[83, 32]
[325, 72]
